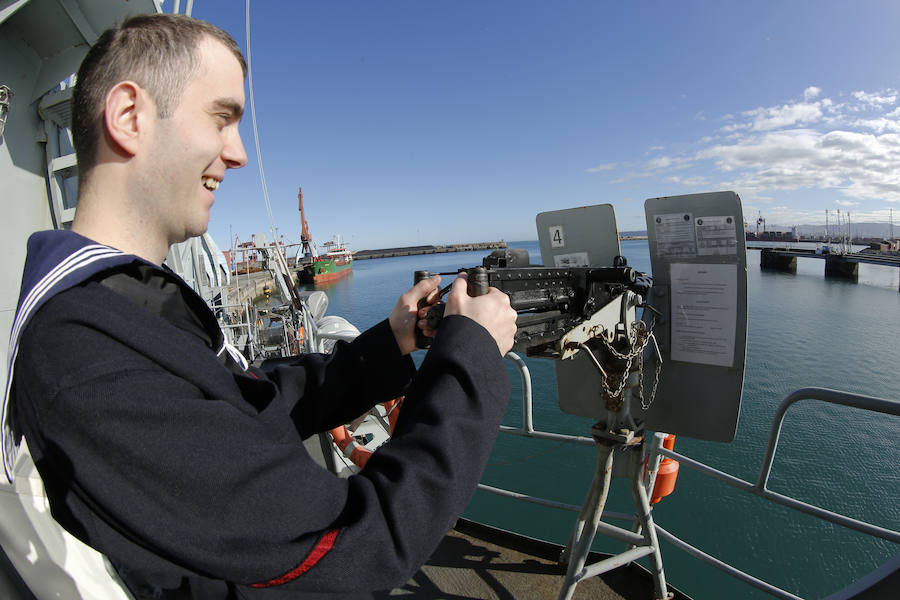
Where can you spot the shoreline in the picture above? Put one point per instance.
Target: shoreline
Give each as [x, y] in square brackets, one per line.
[428, 249]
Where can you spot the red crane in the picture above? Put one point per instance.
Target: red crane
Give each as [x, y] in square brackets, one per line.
[305, 238]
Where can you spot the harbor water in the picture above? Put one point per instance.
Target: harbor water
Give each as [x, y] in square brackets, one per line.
[803, 331]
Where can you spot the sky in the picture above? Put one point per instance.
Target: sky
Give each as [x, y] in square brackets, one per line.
[412, 122]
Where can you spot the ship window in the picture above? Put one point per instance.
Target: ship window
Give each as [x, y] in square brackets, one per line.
[69, 184]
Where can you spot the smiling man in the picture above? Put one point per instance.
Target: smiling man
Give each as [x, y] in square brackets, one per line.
[166, 145]
[157, 444]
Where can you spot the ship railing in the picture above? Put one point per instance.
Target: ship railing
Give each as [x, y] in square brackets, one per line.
[869, 403]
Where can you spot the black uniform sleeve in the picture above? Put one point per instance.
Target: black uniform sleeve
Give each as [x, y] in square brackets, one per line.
[157, 456]
[333, 389]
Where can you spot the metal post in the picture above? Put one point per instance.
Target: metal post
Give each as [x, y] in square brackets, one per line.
[586, 527]
[642, 504]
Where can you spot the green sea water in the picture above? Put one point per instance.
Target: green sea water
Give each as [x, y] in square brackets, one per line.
[803, 330]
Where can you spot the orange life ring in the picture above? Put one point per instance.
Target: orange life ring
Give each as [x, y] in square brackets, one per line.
[359, 455]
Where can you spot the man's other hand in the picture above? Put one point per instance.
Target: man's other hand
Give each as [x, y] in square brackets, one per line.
[492, 311]
[407, 313]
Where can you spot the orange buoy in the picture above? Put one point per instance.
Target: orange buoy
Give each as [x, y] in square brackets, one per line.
[667, 473]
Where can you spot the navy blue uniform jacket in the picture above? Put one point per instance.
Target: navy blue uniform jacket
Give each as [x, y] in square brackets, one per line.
[188, 473]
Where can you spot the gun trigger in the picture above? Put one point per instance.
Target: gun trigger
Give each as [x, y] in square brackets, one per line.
[653, 310]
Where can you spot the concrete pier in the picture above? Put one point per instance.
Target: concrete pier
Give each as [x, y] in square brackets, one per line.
[416, 250]
[771, 260]
[249, 288]
[840, 268]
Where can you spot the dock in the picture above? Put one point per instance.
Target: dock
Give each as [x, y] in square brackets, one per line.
[416, 250]
[841, 266]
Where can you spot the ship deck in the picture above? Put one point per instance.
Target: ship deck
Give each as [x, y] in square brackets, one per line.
[477, 561]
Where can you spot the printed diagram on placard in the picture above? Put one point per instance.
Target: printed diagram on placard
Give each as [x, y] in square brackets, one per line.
[675, 235]
[716, 236]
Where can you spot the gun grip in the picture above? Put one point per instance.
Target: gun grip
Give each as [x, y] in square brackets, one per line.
[477, 284]
[422, 341]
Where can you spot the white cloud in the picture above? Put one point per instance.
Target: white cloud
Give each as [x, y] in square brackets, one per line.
[601, 168]
[660, 162]
[879, 125]
[666, 163]
[852, 147]
[846, 203]
[877, 99]
[694, 181]
[811, 92]
[788, 115]
[735, 127]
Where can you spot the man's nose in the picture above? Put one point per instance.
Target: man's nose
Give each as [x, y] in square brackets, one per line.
[233, 153]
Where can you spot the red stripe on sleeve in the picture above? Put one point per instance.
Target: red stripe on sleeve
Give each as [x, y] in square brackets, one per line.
[325, 544]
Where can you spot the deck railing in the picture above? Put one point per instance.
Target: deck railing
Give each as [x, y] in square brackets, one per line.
[869, 403]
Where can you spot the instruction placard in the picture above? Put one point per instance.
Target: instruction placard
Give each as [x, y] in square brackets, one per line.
[704, 313]
[574, 259]
[675, 235]
[716, 236]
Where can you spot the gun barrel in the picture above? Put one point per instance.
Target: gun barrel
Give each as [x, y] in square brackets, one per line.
[625, 275]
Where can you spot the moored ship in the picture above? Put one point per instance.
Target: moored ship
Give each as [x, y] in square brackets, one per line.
[336, 263]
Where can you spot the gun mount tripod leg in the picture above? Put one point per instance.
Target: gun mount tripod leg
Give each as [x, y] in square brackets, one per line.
[645, 518]
[588, 520]
[639, 545]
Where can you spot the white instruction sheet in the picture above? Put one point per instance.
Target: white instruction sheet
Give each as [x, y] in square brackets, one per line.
[704, 313]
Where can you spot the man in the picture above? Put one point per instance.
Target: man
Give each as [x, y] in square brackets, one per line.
[157, 448]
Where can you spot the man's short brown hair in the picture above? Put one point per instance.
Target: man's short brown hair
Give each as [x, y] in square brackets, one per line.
[158, 52]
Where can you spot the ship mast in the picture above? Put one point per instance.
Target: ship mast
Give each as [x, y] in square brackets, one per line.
[305, 238]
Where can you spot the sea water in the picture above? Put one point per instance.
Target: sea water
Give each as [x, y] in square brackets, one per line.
[803, 331]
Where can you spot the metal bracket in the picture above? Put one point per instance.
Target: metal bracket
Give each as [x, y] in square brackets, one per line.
[601, 322]
[5, 95]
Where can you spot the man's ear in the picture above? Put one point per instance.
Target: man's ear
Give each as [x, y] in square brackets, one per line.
[126, 116]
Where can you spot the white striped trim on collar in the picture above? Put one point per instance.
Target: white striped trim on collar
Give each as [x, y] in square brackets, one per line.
[77, 260]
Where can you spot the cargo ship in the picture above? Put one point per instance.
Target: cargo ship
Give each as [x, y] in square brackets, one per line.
[336, 263]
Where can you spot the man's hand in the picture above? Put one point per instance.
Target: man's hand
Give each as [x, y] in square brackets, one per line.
[406, 312]
[492, 311]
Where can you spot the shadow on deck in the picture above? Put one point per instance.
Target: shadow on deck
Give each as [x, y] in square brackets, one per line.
[479, 562]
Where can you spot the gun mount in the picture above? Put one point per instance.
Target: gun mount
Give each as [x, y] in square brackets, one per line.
[558, 307]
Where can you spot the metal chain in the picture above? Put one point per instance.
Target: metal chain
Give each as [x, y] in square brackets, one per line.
[624, 380]
[641, 337]
[645, 403]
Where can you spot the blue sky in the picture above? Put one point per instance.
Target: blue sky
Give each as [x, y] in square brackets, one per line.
[414, 122]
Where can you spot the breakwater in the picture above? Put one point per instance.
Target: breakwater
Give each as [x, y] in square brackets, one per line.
[414, 250]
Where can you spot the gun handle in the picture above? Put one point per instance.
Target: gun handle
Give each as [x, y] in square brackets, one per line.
[422, 341]
[477, 281]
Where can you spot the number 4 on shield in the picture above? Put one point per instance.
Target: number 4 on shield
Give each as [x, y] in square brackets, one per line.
[557, 240]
